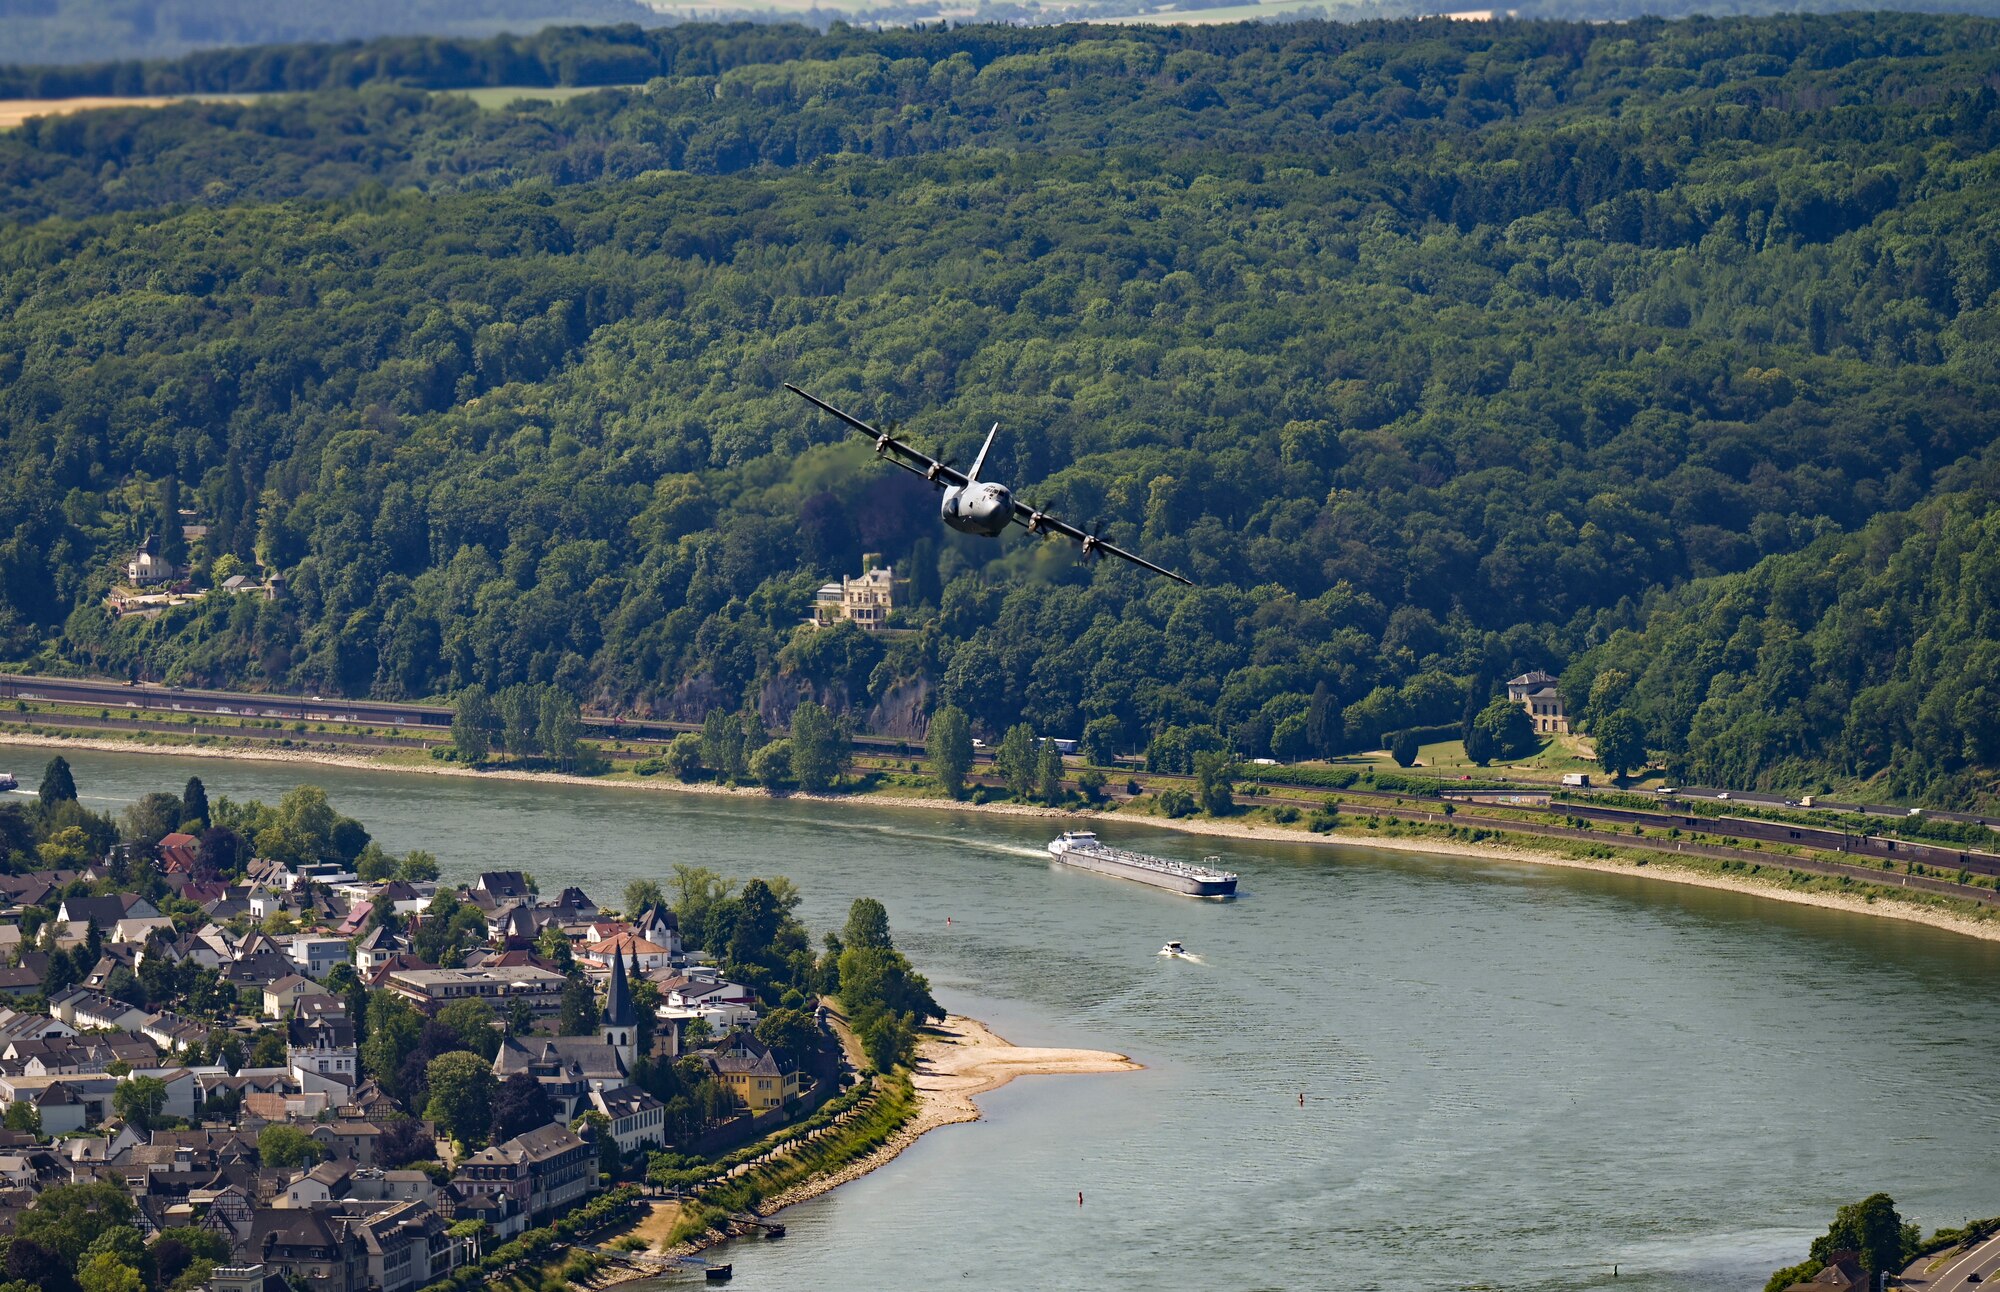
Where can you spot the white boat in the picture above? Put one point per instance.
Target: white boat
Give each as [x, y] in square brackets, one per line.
[1173, 949]
[7, 782]
[1083, 849]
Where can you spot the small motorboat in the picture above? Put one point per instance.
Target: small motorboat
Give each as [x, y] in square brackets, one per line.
[1174, 949]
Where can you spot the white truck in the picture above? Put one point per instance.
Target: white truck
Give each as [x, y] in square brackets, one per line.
[1577, 780]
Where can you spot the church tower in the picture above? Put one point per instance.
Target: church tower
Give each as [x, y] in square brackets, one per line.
[621, 1023]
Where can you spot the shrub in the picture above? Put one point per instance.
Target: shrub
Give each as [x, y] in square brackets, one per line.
[650, 766]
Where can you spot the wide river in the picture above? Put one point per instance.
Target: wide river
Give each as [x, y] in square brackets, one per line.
[1515, 1077]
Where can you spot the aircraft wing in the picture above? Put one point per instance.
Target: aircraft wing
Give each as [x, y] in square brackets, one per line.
[1040, 522]
[890, 448]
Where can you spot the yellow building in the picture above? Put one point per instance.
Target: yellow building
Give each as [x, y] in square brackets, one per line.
[866, 600]
[750, 1072]
[1536, 692]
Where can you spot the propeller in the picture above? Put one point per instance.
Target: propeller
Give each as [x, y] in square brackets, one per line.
[1092, 538]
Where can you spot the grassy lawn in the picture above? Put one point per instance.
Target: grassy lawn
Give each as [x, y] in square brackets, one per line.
[494, 97]
[1558, 756]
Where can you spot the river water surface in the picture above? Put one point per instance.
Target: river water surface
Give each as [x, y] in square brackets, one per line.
[1515, 1077]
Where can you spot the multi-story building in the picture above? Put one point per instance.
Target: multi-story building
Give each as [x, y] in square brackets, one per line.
[1536, 692]
[497, 985]
[544, 1171]
[866, 600]
[638, 1121]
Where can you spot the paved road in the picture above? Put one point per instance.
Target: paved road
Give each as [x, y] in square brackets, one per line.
[1968, 1271]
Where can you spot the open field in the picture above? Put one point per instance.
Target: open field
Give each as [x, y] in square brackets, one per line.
[492, 97]
[14, 111]
[1210, 17]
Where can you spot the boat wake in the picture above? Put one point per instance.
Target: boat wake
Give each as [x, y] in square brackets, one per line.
[1188, 956]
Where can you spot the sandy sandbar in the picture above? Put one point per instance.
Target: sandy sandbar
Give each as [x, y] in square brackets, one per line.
[956, 1061]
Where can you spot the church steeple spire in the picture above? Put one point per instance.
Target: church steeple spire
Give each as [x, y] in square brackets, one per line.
[621, 1023]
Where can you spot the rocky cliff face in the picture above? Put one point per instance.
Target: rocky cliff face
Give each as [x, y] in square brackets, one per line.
[903, 710]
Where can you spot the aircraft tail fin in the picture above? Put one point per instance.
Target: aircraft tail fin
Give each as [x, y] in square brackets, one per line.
[980, 461]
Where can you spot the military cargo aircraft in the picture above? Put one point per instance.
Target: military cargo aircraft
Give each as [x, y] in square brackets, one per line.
[974, 506]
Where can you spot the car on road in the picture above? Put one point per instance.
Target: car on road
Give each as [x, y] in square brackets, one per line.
[1664, 789]
[1724, 796]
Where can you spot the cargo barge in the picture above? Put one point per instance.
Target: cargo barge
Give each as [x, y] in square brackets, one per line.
[1084, 849]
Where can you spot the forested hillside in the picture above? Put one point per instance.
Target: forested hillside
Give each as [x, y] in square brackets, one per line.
[1435, 352]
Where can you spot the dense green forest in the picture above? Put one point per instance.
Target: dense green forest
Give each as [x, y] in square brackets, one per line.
[1435, 352]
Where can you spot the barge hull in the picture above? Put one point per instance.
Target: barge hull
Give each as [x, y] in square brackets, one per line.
[1084, 859]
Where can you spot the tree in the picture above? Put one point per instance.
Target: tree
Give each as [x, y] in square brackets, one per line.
[867, 925]
[1176, 802]
[140, 1101]
[1015, 760]
[819, 748]
[57, 786]
[1289, 741]
[1049, 774]
[374, 866]
[770, 765]
[221, 849]
[758, 918]
[1607, 691]
[472, 725]
[558, 726]
[520, 1104]
[418, 866]
[1505, 729]
[462, 1087]
[1871, 1228]
[1101, 738]
[393, 1029]
[790, 1032]
[948, 748]
[722, 744]
[1323, 726]
[683, 756]
[68, 1218]
[472, 1021]
[105, 1272]
[1213, 771]
[641, 894]
[520, 1017]
[580, 1015]
[1621, 743]
[23, 1116]
[283, 1145]
[1403, 747]
[194, 805]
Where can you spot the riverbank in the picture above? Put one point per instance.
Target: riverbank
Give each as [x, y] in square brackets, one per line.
[957, 1061]
[1656, 867]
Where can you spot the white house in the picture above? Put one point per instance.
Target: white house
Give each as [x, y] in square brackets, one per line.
[282, 996]
[628, 947]
[182, 1089]
[316, 953]
[147, 567]
[637, 1119]
[140, 927]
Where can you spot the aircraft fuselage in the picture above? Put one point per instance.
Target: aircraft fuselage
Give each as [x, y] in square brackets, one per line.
[982, 508]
